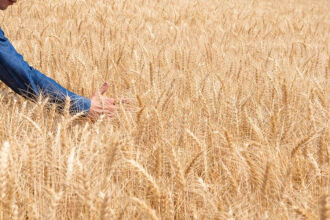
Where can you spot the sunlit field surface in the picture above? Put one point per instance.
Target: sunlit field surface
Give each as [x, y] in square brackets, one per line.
[229, 115]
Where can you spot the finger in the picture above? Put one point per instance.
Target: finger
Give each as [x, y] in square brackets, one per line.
[127, 108]
[104, 88]
[111, 113]
[130, 109]
[126, 101]
[110, 108]
[109, 102]
[106, 112]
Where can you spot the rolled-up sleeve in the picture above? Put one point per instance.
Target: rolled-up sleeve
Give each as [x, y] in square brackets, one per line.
[30, 83]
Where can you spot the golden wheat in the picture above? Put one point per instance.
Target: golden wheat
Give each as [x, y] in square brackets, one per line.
[230, 113]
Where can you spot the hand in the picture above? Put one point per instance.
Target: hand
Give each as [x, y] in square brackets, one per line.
[101, 104]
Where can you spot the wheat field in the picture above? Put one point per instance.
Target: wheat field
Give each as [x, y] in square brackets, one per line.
[229, 116]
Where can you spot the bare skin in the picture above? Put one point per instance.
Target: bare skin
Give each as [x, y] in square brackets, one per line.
[5, 3]
[100, 104]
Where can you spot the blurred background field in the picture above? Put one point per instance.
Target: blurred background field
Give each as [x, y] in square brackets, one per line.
[231, 116]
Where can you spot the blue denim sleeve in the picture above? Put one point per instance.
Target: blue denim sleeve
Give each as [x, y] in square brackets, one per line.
[30, 83]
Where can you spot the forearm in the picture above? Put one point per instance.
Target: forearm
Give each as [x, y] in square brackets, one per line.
[47, 87]
[29, 82]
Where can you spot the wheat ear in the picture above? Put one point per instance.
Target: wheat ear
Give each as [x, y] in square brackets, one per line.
[325, 208]
[144, 173]
[151, 212]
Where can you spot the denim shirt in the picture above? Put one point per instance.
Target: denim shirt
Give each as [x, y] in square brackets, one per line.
[30, 83]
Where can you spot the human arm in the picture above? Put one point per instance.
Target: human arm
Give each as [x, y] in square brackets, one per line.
[30, 83]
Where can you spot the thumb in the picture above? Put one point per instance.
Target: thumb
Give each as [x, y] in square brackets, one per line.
[104, 88]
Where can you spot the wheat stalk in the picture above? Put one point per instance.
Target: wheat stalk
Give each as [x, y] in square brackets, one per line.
[148, 210]
[232, 111]
[144, 173]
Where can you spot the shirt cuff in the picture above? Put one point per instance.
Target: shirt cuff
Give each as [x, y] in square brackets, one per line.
[80, 104]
